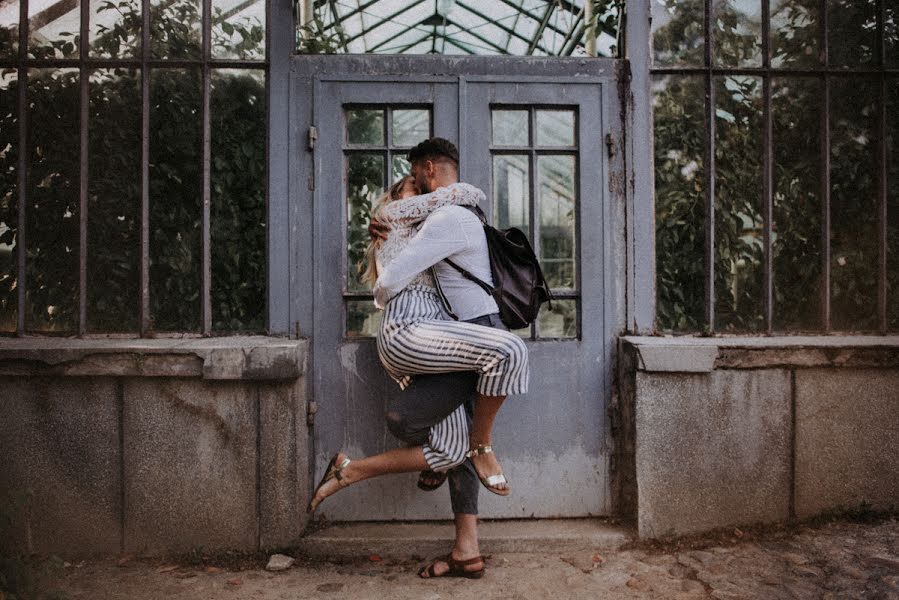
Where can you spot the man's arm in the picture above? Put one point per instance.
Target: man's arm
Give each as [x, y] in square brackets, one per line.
[442, 235]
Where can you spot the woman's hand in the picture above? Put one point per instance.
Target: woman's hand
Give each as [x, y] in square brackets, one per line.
[378, 230]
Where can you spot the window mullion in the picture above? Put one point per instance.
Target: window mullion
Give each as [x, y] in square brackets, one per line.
[84, 165]
[882, 234]
[768, 206]
[825, 207]
[21, 234]
[207, 192]
[145, 172]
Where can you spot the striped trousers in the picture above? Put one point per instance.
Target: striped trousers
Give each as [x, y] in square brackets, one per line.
[415, 338]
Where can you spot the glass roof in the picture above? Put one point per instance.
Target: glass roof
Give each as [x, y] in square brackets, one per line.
[463, 27]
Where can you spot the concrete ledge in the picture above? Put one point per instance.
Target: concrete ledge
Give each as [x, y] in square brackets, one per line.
[705, 354]
[352, 540]
[224, 358]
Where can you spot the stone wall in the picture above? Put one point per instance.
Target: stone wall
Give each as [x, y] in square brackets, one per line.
[735, 431]
[152, 446]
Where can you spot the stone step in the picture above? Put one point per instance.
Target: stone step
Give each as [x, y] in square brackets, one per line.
[423, 539]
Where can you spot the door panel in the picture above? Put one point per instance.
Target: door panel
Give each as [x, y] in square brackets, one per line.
[536, 150]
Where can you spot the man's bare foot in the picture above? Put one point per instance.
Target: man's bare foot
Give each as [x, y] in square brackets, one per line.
[486, 465]
[338, 475]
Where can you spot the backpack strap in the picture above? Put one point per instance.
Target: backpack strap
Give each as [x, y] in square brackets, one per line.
[468, 275]
[443, 298]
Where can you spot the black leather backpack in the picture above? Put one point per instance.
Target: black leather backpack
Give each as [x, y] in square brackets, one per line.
[519, 287]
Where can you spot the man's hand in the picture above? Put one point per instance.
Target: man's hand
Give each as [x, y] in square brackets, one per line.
[378, 230]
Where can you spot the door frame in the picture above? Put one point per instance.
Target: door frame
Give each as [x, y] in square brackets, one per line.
[309, 73]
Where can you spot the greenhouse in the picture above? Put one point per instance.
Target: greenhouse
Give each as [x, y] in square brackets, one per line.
[711, 188]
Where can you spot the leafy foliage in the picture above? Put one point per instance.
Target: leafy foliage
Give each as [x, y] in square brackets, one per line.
[798, 223]
[238, 180]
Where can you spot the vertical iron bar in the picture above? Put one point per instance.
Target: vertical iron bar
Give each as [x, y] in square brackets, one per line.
[84, 86]
[533, 207]
[882, 168]
[768, 208]
[145, 173]
[825, 172]
[709, 174]
[768, 170]
[825, 207]
[24, 151]
[207, 157]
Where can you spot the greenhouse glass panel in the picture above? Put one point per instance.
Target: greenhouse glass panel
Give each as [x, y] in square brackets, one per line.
[238, 29]
[113, 215]
[466, 27]
[51, 280]
[53, 29]
[9, 29]
[238, 211]
[9, 213]
[115, 28]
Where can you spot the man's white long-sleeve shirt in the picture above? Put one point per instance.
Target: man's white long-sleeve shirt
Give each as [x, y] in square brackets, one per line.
[450, 232]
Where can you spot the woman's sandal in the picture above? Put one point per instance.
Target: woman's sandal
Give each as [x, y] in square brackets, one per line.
[429, 480]
[456, 568]
[493, 480]
[334, 471]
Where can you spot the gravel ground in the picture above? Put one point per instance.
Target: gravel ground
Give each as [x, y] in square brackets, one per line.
[835, 560]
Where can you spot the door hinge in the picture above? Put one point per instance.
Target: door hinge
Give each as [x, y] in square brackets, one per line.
[313, 137]
[311, 409]
[611, 147]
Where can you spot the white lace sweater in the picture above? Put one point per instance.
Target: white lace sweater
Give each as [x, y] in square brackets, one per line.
[405, 217]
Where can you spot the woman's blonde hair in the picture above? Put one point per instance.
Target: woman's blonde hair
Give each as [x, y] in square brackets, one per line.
[368, 267]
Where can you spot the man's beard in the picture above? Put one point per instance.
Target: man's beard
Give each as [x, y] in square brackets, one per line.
[422, 184]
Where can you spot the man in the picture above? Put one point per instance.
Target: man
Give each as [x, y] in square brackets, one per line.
[456, 233]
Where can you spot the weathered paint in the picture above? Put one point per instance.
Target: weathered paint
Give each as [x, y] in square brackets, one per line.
[557, 436]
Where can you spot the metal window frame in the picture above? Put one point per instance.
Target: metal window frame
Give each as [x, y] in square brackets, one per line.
[86, 64]
[826, 73]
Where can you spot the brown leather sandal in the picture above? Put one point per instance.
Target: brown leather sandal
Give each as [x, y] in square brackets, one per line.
[334, 471]
[456, 568]
[429, 480]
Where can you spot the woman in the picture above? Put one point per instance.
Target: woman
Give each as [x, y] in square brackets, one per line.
[415, 337]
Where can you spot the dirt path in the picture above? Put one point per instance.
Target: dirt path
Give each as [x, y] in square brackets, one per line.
[831, 561]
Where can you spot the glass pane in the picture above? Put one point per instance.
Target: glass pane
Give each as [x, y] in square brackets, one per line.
[9, 184]
[51, 34]
[679, 128]
[677, 32]
[238, 29]
[852, 32]
[411, 126]
[362, 318]
[510, 128]
[401, 167]
[560, 321]
[479, 28]
[113, 227]
[739, 245]
[511, 191]
[53, 183]
[9, 29]
[737, 32]
[557, 194]
[238, 213]
[176, 199]
[365, 126]
[175, 29]
[555, 128]
[853, 204]
[115, 28]
[892, 206]
[794, 33]
[365, 182]
[891, 35]
[796, 229]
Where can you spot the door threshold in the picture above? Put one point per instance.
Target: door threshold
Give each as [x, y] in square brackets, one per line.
[404, 539]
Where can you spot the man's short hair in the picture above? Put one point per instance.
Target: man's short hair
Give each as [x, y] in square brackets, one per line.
[435, 149]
